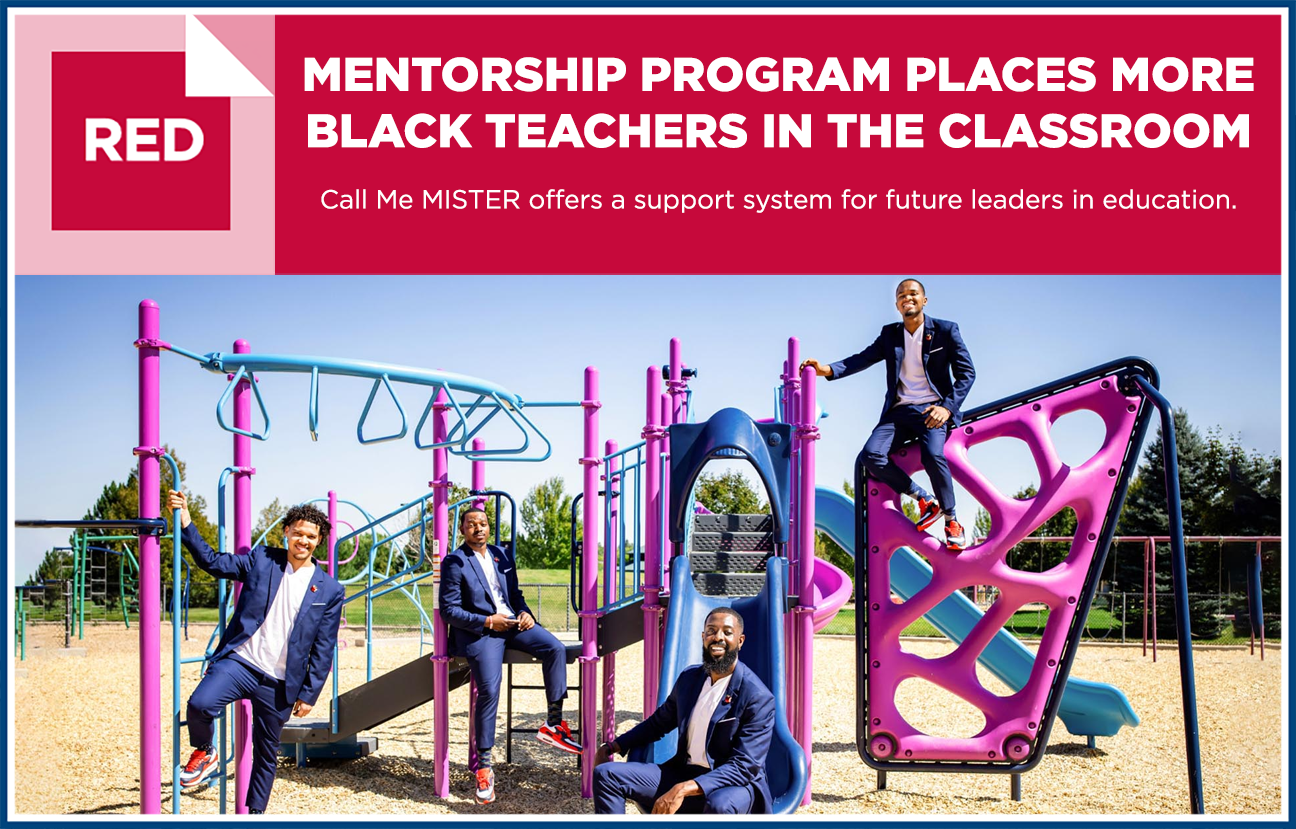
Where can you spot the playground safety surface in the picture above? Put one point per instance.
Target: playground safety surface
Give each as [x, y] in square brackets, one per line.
[92, 768]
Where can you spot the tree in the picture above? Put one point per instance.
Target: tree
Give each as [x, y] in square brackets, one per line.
[546, 526]
[270, 523]
[1145, 514]
[729, 493]
[119, 500]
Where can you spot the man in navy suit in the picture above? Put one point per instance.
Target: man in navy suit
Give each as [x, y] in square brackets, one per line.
[725, 717]
[276, 651]
[929, 375]
[481, 602]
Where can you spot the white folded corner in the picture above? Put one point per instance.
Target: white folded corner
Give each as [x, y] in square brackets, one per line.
[212, 71]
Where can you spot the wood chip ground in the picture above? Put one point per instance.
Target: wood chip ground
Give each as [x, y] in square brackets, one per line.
[76, 741]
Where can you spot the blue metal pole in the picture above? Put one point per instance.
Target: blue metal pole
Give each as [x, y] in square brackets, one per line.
[1179, 575]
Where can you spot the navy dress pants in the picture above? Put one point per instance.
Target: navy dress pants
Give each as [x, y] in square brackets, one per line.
[229, 680]
[615, 783]
[903, 423]
[486, 662]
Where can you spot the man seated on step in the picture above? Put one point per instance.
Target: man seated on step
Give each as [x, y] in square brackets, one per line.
[725, 717]
[277, 649]
[481, 602]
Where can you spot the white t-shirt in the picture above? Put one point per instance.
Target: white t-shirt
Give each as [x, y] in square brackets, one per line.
[267, 648]
[493, 583]
[914, 387]
[708, 699]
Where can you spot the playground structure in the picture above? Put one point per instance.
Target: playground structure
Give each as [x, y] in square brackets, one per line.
[672, 561]
[1017, 726]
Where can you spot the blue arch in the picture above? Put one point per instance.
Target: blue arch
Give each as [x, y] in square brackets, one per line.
[730, 433]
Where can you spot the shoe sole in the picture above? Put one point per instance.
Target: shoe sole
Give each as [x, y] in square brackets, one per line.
[954, 548]
[558, 744]
[926, 523]
[193, 784]
[482, 802]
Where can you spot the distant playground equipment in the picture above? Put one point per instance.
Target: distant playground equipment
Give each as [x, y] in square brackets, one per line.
[1017, 726]
[666, 561]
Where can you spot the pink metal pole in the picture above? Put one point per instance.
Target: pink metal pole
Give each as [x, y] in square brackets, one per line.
[479, 475]
[242, 546]
[440, 640]
[668, 549]
[791, 414]
[150, 600]
[792, 383]
[1146, 555]
[589, 587]
[1152, 572]
[809, 433]
[676, 384]
[612, 583]
[333, 534]
[652, 558]
[478, 479]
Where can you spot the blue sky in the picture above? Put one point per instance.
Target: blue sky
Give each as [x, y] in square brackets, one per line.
[1216, 341]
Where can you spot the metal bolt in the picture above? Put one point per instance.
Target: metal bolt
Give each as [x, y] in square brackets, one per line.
[1032, 726]
[1052, 662]
[875, 549]
[1093, 536]
[968, 430]
[908, 752]
[1070, 599]
[1131, 408]
[877, 664]
[877, 721]
[1111, 473]
[992, 755]
[1106, 384]
[873, 492]
[1035, 407]
[877, 606]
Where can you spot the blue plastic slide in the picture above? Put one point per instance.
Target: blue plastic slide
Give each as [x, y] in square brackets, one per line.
[1088, 708]
[762, 652]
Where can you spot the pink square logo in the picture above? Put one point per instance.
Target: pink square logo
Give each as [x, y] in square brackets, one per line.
[130, 151]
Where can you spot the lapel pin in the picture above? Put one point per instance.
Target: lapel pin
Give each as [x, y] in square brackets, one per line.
[928, 337]
[728, 699]
[314, 588]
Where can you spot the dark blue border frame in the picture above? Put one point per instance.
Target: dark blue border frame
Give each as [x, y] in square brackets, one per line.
[91, 5]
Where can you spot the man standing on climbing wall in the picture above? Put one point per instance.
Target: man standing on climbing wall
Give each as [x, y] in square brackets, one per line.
[277, 649]
[481, 602]
[929, 374]
[725, 718]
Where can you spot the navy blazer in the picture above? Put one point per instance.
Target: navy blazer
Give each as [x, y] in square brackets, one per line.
[465, 600]
[314, 633]
[943, 355]
[738, 738]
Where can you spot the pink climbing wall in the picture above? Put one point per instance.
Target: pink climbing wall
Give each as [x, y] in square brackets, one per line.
[1012, 722]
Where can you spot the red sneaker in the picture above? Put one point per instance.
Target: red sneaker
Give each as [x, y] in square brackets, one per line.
[929, 512]
[485, 786]
[559, 736]
[955, 538]
[201, 766]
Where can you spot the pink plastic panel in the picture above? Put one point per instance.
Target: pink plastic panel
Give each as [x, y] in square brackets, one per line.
[1012, 722]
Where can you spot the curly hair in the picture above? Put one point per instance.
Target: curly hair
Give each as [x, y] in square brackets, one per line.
[310, 514]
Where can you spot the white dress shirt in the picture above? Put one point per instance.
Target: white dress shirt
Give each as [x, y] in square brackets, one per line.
[914, 387]
[267, 648]
[493, 582]
[707, 700]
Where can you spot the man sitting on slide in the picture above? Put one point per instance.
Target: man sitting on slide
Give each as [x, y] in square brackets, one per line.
[725, 717]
